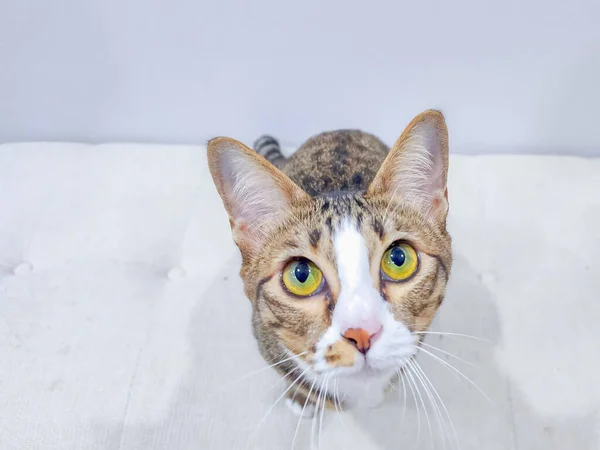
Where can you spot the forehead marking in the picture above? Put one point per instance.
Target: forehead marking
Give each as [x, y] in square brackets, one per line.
[378, 228]
[314, 237]
[351, 255]
[359, 304]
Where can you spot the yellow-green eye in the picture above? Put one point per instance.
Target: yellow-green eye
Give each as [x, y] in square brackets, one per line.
[302, 277]
[400, 262]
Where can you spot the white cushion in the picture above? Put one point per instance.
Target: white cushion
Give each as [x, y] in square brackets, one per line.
[123, 323]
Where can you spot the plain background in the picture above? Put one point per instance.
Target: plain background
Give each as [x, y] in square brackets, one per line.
[511, 76]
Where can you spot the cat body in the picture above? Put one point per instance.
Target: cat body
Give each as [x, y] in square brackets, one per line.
[331, 163]
[345, 254]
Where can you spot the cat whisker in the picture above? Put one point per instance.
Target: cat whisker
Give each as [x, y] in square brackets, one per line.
[248, 375]
[404, 395]
[450, 366]
[336, 402]
[316, 415]
[451, 355]
[412, 389]
[432, 401]
[410, 374]
[440, 333]
[302, 413]
[264, 418]
[326, 383]
[404, 401]
[282, 379]
[435, 391]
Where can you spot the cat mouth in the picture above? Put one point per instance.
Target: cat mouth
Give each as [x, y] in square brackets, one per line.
[368, 368]
[375, 368]
[368, 372]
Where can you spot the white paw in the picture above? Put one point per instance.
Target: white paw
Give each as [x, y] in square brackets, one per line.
[297, 408]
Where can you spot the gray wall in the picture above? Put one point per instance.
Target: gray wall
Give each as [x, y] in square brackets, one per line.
[510, 75]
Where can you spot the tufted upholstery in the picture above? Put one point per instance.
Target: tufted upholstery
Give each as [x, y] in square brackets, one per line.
[123, 323]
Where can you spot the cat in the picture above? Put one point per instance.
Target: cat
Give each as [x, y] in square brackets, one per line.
[345, 254]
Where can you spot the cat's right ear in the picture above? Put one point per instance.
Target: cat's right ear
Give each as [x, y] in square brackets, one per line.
[416, 168]
[255, 193]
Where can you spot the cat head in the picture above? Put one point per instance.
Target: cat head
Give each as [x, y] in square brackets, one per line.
[342, 284]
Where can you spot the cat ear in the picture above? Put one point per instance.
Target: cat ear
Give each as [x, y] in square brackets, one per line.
[255, 193]
[416, 168]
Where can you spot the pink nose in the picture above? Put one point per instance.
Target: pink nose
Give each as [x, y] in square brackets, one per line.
[360, 338]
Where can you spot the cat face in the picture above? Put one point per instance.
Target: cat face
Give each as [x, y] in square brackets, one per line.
[342, 284]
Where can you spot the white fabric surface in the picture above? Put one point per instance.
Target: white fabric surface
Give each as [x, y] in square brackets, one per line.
[123, 323]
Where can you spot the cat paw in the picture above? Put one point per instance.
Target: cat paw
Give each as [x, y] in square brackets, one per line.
[307, 412]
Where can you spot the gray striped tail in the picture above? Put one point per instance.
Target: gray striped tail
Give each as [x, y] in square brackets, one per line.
[268, 147]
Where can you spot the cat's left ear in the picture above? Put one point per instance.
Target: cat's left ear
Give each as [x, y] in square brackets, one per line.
[415, 170]
[255, 193]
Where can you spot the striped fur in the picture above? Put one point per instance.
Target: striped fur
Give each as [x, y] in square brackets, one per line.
[269, 148]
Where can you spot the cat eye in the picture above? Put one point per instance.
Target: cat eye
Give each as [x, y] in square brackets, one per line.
[302, 277]
[400, 262]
